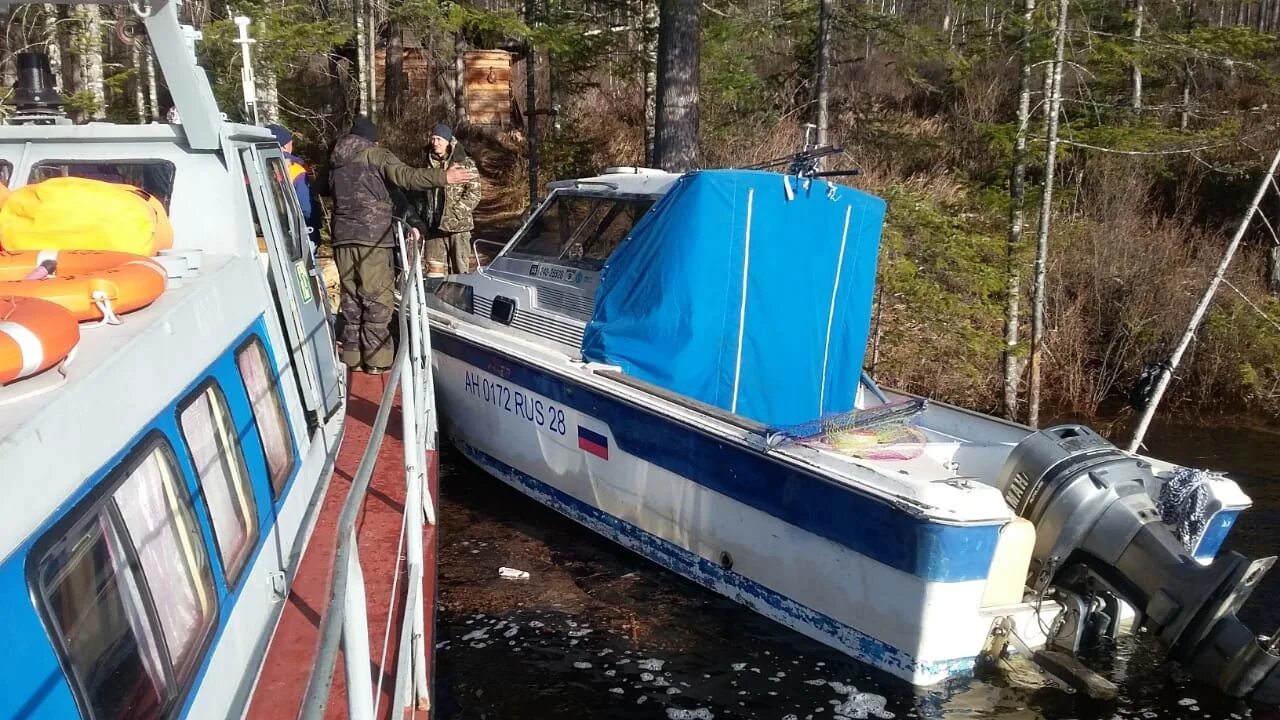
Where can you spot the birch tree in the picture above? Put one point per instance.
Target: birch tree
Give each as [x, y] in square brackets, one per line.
[824, 67]
[650, 50]
[1013, 360]
[53, 42]
[364, 76]
[1053, 106]
[87, 77]
[139, 79]
[1135, 78]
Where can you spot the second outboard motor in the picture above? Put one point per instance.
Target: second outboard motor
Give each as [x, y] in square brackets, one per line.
[1096, 525]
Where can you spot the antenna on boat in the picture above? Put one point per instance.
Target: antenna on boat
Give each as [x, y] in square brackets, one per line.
[247, 84]
[36, 100]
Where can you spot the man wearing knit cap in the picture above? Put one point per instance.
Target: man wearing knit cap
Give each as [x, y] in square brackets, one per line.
[301, 184]
[444, 215]
[363, 239]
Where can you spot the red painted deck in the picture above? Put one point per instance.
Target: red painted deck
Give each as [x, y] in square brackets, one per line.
[278, 695]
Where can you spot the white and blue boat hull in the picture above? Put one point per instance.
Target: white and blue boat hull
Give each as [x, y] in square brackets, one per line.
[874, 579]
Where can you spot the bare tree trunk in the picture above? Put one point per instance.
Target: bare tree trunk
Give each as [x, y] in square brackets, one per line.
[1053, 107]
[1013, 361]
[650, 77]
[1139, 9]
[139, 79]
[370, 54]
[459, 79]
[87, 46]
[268, 97]
[54, 42]
[364, 80]
[531, 106]
[676, 134]
[152, 93]
[1184, 118]
[1273, 270]
[393, 72]
[824, 68]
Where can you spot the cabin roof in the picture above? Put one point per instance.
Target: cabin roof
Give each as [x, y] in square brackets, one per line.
[56, 434]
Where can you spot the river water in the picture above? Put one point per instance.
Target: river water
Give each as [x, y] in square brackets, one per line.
[598, 632]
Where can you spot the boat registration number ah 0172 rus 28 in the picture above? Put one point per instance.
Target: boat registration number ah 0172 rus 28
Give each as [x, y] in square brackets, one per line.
[541, 413]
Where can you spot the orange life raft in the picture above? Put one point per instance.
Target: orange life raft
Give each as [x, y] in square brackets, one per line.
[35, 335]
[85, 280]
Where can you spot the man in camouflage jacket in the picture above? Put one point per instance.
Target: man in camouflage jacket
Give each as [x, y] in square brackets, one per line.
[364, 242]
[448, 210]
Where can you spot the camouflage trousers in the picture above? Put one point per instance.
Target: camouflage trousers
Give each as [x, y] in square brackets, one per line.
[449, 254]
[367, 304]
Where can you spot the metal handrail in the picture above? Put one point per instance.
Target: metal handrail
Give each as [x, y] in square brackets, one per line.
[345, 617]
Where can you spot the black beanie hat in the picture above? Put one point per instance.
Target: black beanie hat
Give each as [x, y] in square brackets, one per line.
[365, 128]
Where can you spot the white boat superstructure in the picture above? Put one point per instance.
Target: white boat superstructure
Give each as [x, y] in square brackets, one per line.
[908, 557]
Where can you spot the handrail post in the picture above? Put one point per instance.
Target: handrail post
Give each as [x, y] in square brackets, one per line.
[355, 639]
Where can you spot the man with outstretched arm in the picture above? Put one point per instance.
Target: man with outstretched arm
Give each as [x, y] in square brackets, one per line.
[364, 241]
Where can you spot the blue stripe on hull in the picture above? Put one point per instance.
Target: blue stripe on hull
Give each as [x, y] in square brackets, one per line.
[733, 585]
[865, 524]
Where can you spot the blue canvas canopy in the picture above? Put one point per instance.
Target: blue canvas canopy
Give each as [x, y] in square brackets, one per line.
[741, 295]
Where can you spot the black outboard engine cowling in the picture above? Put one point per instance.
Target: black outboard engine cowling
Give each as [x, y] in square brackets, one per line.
[1094, 518]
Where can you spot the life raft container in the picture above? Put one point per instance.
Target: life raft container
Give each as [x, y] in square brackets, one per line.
[90, 284]
[35, 335]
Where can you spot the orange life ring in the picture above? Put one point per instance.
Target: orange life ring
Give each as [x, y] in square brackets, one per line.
[84, 278]
[35, 335]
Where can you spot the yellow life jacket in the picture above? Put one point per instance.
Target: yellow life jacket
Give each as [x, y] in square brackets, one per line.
[71, 213]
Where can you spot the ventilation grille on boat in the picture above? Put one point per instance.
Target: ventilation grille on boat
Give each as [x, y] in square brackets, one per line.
[567, 303]
[536, 323]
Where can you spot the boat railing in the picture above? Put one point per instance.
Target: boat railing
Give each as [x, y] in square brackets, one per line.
[345, 616]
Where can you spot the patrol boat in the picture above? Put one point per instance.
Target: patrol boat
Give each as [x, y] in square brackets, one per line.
[179, 497]
[675, 361]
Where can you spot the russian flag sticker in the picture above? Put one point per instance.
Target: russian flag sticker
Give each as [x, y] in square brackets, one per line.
[593, 442]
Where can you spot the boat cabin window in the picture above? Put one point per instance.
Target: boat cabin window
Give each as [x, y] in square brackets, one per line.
[128, 593]
[580, 231]
[155, 177]
[6, 172]
[285, 199]
[215, 452]
[259, 382]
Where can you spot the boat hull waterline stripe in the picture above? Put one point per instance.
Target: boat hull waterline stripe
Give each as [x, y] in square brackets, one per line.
[733, 585]
[870, 526]
[29, 345]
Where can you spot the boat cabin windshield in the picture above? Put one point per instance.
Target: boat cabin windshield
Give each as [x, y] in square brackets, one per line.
[580, 230]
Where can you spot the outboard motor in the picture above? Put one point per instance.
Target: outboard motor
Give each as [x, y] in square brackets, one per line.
[36, 98]
[1096, 527]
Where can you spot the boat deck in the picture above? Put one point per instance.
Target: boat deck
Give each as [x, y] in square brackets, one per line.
[282, 684]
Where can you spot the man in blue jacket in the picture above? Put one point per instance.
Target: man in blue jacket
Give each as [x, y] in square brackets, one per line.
[298, 175]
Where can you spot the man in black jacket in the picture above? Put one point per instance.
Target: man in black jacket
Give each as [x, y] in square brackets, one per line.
[363, 240]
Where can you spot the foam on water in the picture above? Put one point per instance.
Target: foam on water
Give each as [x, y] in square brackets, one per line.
[695, 714]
